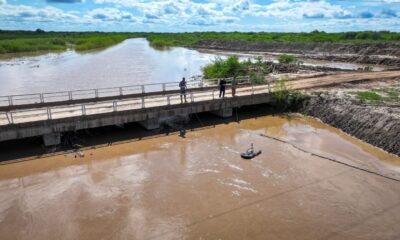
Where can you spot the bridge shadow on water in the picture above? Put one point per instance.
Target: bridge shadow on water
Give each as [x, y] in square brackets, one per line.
[32, 148]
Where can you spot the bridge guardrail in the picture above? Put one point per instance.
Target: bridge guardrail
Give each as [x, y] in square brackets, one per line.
[51, 113]
[51, 97]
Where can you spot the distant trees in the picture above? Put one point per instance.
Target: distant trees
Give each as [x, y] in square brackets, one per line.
[39, 30]
[364, 35]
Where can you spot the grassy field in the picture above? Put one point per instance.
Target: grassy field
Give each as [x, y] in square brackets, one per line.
[390, 94]
[187, 39]
[25, 41]
[31, 41]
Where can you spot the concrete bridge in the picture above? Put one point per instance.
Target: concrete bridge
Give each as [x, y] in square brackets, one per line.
[51, 114]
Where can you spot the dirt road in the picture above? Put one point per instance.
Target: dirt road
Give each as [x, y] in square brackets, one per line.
[342, 78]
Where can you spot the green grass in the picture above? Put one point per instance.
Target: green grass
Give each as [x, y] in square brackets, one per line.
[368, 96]
[30, 41]
[188, 39]
[286, 58]
[26, 41]
[390, 94]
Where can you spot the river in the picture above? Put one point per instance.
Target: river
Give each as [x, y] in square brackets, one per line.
[132, 62]
[198, 187]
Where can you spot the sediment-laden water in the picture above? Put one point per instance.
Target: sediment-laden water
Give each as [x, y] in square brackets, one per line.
[198, 187]
[133, 62]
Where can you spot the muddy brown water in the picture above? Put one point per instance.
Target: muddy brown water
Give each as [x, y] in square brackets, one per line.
[133, 62]
[198, 187]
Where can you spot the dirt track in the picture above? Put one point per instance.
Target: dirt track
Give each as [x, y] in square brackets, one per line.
[343, 78]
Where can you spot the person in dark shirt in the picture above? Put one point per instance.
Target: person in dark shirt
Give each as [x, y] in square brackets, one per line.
[182, 86]
[222, 84]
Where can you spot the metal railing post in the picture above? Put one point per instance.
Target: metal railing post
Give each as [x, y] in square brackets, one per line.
[120, 91]
[115, 106]
[168, 100]
[70, 95]
[10, 101]
[252, 89]
[163, 87]
[142, 102]
[48, 114]
[191, 97]
[269, 86]
[96, 93]
[41, 98]
[213, 94]
[10, 118]
[142, 86]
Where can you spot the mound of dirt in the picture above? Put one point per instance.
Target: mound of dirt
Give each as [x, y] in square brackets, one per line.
[377, 125]
[368, 53]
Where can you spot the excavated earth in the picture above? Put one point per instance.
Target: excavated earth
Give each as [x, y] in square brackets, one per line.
[376, 124]
[367, 53]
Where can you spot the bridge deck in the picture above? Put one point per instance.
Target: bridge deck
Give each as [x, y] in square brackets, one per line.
[170, 98]
[75, 110]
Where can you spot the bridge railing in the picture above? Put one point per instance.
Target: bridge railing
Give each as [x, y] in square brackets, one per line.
[58, 112]
[51, 97]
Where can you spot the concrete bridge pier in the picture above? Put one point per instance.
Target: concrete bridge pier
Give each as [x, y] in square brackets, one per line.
[52, 139]
[150, 124]
[223, 112]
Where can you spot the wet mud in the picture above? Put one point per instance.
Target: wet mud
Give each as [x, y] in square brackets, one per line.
[198, 187]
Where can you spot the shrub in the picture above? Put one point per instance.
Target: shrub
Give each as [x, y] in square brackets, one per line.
[256, 78]
[285, 97]
[286, 58]
[281, 90]
[220, 68]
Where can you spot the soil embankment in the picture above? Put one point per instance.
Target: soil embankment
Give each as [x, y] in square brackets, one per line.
[377, 125]
[367, 53]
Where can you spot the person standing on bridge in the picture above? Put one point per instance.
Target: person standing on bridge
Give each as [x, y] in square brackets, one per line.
[182, 86]
[222, 84]
[234, 84]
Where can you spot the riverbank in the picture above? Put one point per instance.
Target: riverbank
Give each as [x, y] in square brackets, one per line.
[13, 42]
[376, 125]
[365, 53]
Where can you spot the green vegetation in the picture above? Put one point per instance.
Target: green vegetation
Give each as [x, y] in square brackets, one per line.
[30, 41]
[286, 97]
[230, 67]
[391, 94]
[286, 58]
[188, 39]
[25, 41]
[220, 68]
[365, 69]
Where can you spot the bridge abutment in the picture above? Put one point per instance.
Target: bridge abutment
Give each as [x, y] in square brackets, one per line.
[223, 112]
[150, 124]
[51, 139]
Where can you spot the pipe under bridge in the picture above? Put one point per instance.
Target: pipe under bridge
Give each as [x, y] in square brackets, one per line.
[51, 114]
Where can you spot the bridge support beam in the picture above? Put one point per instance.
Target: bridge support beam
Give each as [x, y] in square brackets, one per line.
[150, 124]
[52, 139]
[223, 113]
